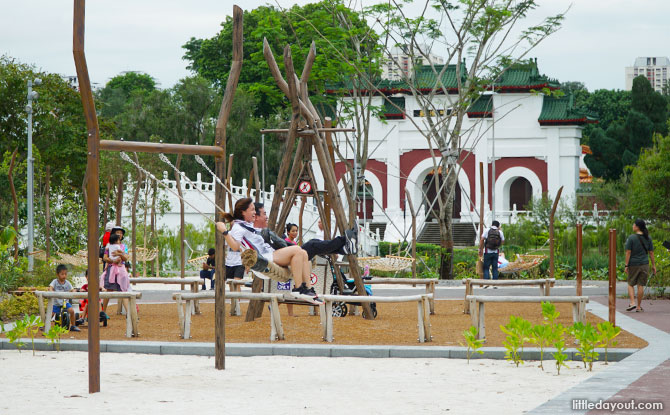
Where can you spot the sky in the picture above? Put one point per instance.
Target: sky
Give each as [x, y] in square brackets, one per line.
[598, 40]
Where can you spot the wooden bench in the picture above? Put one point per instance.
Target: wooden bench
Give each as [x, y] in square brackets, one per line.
[235, 286]
[131, 317]
[423, 313]
[192, 281]
[185, 304]
[544, 284]
[428, 282]
[477, 307]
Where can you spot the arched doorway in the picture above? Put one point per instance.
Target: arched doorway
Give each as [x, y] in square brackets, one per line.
[520, 193]
[365, 201]
[430, 191]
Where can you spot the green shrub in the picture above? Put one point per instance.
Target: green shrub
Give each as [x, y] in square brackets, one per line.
[18, 306]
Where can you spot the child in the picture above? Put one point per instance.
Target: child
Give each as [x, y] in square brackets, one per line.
[61, 284]
[118, 275]
[208, 268]
[83, 306]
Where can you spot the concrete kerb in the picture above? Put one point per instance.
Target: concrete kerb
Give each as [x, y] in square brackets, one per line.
[302, 350]
[607, 382]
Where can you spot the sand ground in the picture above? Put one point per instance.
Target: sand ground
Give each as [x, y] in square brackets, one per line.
[135, 384]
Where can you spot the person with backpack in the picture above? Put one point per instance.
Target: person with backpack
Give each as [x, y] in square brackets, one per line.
[489, 248]
[639, 249]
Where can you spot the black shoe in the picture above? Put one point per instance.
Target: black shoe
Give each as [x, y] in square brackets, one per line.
[79, 322]
[351, 244]
[296, 291]
[204, 288]
[309, 291]
[74, 328]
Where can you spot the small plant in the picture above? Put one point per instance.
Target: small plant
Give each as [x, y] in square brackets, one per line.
[517, 334]
[587, 337]
[54, 334]
[472, 343]
[33, 324]
[559, 345]
[549, 312]
[14, 335]
[607, 333]
[541, 335]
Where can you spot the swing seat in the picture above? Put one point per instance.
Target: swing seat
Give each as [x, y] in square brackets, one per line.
[389, 263]
[272, 271]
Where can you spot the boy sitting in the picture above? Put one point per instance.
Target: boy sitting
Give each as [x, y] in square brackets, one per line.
[61, 284]
[207, 271]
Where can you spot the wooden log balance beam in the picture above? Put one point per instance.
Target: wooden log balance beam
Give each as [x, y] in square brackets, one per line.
[544, 284]
[132, 329]
[165, 148]
[428, 282]
[193, 282]
[423, 314]
[477, 302]
[185, 304]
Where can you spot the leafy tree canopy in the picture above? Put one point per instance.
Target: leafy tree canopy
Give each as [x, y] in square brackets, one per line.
[649, 189]
[297, 26]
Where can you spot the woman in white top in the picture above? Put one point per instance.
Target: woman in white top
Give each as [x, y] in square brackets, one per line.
[242, 236]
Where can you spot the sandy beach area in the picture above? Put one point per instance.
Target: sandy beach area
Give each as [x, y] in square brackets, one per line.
[137, 383]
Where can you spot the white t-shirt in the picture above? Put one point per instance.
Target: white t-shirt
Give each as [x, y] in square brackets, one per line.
[486, 234]
[111, 249]
[245, 233]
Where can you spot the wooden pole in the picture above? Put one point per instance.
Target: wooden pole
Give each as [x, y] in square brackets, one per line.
[47, 215]
[105, 208]
[328, 123]
[228, 183]
[302, 211]
[219, 198]
[119, 200]
[165, 148]
[182, 224]
[133, 211]
[16, 203]
[551, 232]
[612, 277]
[579, 259]
[257, 181]
[411, 209]
[92, 190]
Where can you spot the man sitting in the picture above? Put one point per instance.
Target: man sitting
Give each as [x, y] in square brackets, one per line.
[207, 271]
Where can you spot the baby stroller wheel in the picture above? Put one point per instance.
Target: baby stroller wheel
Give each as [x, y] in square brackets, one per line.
[339, 309]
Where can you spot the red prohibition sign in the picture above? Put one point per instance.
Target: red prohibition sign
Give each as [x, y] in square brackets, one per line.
[313, 279]
[304, 187]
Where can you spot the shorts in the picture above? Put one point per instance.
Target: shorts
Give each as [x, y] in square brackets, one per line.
[236, 271]
[638, 274]
[56, 308]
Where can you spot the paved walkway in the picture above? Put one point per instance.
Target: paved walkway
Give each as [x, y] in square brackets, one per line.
[643, 377]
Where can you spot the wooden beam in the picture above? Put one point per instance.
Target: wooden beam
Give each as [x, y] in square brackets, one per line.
[551, 232]
[92, 188]
[309, 132]
[257, 179]
[165, 148]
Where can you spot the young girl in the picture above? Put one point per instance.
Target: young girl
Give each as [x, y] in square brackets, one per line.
[117, 274]
[291, 234]
[242, 235]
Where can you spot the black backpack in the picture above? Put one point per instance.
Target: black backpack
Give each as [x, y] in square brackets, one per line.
[493, 240]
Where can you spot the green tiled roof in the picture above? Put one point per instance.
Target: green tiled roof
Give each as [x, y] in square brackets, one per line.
[524, 75]
[481, 107]
[560, 110]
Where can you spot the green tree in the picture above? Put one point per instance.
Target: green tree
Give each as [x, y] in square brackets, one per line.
[297, 26]
[649, 189]
[119, 89]
[650, 103]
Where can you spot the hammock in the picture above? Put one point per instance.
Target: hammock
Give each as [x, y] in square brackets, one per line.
[197, 259]
[523, 263]
[273, 271]
[76, 260]
[390, 263]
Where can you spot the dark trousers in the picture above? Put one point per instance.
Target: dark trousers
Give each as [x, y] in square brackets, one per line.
[316, 247]
[491, 260]
[207, 274]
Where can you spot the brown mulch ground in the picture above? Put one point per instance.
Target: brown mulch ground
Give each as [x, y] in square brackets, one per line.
[396, 324]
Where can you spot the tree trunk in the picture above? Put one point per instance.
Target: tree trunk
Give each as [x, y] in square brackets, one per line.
[16, 204]
[154, 237]
[446, 231]
[47, 216]
[133, 210]
[119, 199]
[144, 235]
[105, 209]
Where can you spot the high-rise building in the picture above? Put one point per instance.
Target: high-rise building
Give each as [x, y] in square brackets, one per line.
[398, 64]
[654, 68]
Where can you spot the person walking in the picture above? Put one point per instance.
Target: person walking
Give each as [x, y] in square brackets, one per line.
[489, 248]
[639, 250]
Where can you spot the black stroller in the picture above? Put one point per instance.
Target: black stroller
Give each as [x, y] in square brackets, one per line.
[340, 308]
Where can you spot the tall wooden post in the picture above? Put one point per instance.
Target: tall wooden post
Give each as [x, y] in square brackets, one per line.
[47, 215]
[411, 209]
[551, 232]
[612, 277]
[92, 190]
[257, 180]
[219, 193]
[481, 203]
[579, 259]
[328, 123]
